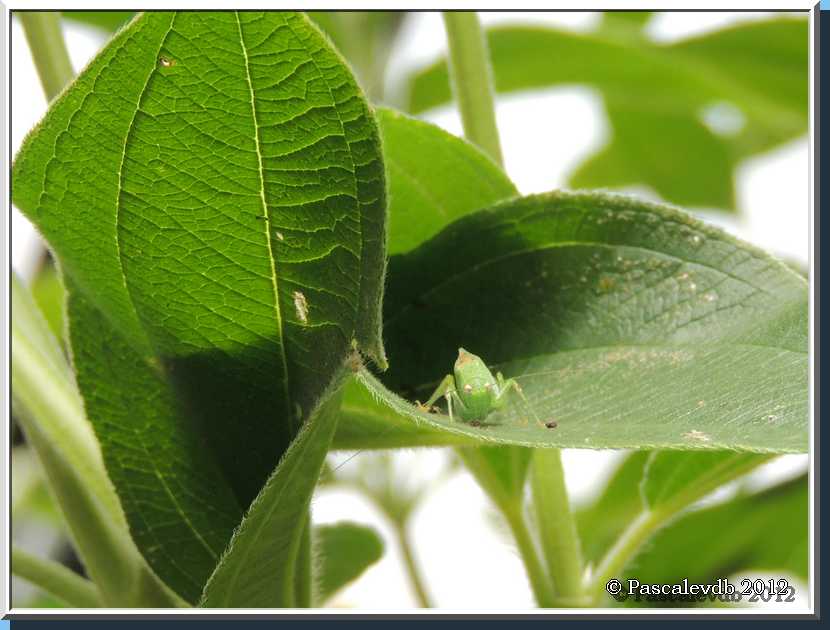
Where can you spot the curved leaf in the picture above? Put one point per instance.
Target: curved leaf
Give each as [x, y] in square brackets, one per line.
[669, 478]
[258, 567]
[343, 552]
[660, 97]
[630, 324]
[213, 187]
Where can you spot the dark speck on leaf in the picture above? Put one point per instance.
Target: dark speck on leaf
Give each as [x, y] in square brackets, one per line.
[551, 424]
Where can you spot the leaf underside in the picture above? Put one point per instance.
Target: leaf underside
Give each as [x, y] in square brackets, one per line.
[629, 324]
[213, 188]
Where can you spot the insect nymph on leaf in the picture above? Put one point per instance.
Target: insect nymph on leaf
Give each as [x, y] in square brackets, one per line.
[473, 392]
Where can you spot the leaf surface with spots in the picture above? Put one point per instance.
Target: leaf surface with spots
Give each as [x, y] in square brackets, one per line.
[630, 324]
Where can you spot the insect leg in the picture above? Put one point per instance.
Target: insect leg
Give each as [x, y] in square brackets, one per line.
[443, 388]
[512, 384]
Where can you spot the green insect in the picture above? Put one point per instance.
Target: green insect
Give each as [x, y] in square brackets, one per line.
[474, 392]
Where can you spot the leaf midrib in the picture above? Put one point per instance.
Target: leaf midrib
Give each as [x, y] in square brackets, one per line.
[266, 226]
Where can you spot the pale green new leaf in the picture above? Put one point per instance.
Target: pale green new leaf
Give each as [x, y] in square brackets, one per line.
[630, 324]
[672, 478]
[213, 187]
[434, 178]
[343, 551]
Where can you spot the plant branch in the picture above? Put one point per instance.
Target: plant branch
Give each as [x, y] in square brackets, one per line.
[511, 508]
[412, 570]
[43, 32]
[56, 579]
[538, 577]
[557, 529]
[471, 78]
[623, 550]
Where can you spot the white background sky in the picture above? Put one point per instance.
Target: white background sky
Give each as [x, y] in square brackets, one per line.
[468, 563]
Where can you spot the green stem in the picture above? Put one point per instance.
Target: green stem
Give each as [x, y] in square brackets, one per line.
[43, 32]
[557, 528]
[56, 579]
[510, 505]
[302, 569]
[623, 550]
[411, 566]
[538, 577]
[472, 81]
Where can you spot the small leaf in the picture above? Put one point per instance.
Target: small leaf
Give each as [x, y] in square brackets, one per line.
[630, 324]
[257, 569]
[434, 178]
[682, 115]
[765, 531]
[48, 292]
[670, 478]
[343, 552]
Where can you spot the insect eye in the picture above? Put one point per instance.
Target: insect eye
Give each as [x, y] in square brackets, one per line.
[468, 388]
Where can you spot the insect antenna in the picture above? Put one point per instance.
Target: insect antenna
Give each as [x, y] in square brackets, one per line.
[363, 450]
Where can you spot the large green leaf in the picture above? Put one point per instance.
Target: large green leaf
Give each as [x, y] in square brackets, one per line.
[631, 324]
[213, 187]
[343, 551]
[179, 503]
[258, 568]
[661, 98]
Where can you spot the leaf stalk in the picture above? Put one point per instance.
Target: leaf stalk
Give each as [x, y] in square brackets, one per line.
[56, 579]
[557, 529]
[471, 78]
[45, 38]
